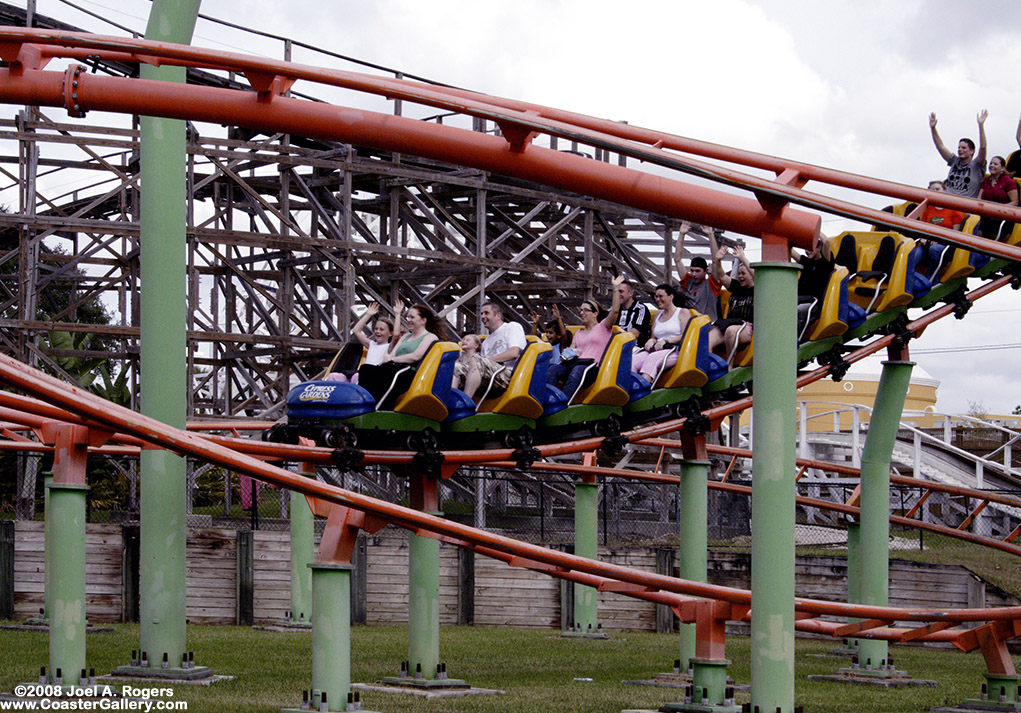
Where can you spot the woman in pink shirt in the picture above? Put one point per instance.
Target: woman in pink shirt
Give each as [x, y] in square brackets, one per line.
[588, 345]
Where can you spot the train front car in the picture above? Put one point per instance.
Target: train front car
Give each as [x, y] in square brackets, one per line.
[321, 411]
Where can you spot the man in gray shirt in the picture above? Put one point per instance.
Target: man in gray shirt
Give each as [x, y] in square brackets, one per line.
[967, 168]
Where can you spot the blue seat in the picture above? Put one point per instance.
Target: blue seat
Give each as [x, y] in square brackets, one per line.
[459, 405]
[553, 400]
[638, 387]
[715, 366]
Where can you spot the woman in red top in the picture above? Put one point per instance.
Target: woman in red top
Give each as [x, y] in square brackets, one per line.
[997, 187]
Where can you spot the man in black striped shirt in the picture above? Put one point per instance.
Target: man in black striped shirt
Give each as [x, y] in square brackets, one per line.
[634, 315]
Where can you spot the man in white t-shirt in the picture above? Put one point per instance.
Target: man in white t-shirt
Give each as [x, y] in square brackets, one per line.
[499, 354]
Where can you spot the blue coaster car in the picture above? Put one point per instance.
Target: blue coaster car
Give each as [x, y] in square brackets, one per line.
[676, 385]
[597, 406]
[509, 417]
[342, 414]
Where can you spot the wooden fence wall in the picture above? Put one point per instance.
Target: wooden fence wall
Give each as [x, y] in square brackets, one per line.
[473, 589]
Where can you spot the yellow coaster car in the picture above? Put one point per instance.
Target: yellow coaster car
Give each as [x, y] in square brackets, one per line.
[613, 374]
[878, 266]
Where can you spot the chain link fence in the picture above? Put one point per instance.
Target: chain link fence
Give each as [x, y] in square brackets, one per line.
[538, 506]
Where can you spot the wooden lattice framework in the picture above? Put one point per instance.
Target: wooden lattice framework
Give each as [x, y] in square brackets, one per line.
[286, 238]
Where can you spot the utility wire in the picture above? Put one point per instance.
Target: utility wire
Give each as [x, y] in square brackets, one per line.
[954, 350]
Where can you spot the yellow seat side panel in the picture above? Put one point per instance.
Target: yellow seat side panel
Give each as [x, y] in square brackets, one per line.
[829, 324]
[685, 373]
[893, 292]
[744, 354]
[516, 400]
[896, 293]
[901, 209]
[971, 224]
[419, 400]
[604, 391]
[959, 266]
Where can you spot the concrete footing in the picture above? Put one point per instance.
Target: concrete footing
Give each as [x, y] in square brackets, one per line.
[425, 688]
[1000, 692]
[579, 633]
[353, 703]
[882, 679]
[169, 675]
[672, 679]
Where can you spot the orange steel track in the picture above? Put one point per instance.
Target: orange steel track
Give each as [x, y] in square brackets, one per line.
[768, 216]
[28, 50]
[1003, 622]
[32, 413]
[276, 452]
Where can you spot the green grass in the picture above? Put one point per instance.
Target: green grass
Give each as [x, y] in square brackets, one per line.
[536, 668]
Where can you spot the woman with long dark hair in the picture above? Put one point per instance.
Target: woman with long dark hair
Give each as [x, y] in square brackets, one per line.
[660, 351]
[424, 328]
[997, 187]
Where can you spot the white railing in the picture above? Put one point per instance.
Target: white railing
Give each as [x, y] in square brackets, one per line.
[918, 437]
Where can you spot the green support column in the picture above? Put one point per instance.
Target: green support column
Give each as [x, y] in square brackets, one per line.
[163, 374]
[47, 546]
[874, 581]
[331, 635]
[423, 669]
[773, 486]
[854, 562]
[692, 558]
[586, 544]
[67, 601]
[853, 574]
[423, 605]
[302, 556]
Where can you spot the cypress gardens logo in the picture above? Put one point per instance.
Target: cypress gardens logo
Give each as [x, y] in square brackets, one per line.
[316, 392]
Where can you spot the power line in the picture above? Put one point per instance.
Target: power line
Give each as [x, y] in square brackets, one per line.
[954, 350]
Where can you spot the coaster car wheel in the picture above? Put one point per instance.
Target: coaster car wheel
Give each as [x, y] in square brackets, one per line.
[523, 438]
[613, 442]
[340, 437]
[281, 433]
[423, 441]
[608, 427]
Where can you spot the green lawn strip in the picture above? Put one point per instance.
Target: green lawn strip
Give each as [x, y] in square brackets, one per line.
[536, 667]
[999, 568]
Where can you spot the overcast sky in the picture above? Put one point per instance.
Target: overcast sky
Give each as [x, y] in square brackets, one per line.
[847, 85]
